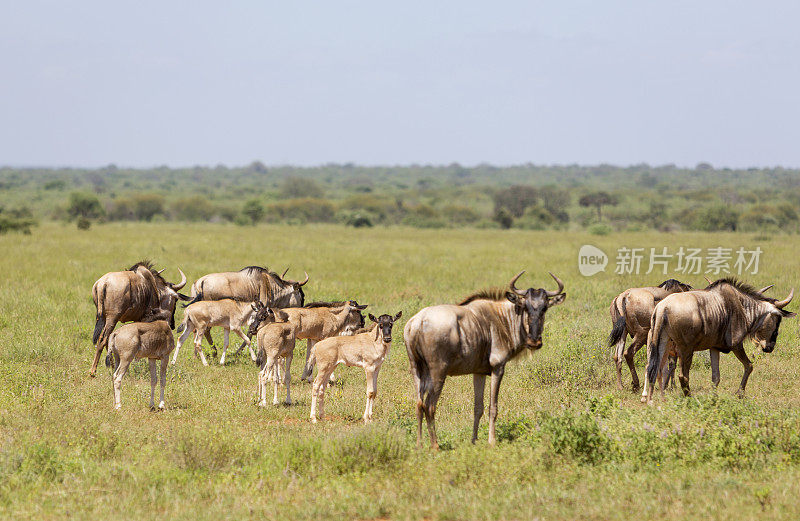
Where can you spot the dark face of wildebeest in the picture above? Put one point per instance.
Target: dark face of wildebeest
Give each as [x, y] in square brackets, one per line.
[766, 331]
[263, 315]
[531, 305]
[385, 323]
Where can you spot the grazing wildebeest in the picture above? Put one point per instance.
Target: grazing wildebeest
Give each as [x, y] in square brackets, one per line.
[231, 315]
[313, 322]
[630, 315]
[719, 317]
[478, 336]
[151, 339]
[126, 296]
[250, 284]
[368, 350]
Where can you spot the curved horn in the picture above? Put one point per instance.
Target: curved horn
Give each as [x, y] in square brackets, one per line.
[285, 272]
[514, 280]
[305, 281]
[161, 271]
[781, 303]
[180, 284]
[709, 282]
[560, 287]
[765, 288]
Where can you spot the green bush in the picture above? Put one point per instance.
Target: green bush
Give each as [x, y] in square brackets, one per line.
[303, 210]
[600, 229]
[193, 208]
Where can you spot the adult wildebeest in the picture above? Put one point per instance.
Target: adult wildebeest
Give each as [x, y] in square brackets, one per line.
[126, 296]
[478, 336]
[250, 284]
[719, 317]
[152, 339]
[367, 349]
[630, 315]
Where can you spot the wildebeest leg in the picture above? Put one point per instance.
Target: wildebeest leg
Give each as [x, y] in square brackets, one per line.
[226, 340]
[119, 373]
[431, 400]
[494, 390]
[102, 343]
[245, 341]
[262, 386]
[287, 378]
[308, 371]
[375, 387]
[673, 363]
[630, 353]
[198, 346]
[686, 364]
[617, 356]
[211, 343]
[479, 385]
[153, 381]
[163, 381]
[369, 372]
[748, 368]
[181, 340]
[714, 355]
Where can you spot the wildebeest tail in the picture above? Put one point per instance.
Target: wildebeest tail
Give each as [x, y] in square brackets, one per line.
[196, 298]
[419, 368]
[100, 319]
[182, 326]
[111, 349]
[618, 329]
[657, 330]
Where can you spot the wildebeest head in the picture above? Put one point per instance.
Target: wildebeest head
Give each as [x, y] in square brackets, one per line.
[765, 331]
[674, 285]
[531, 304]
[291, 290]
[385, 323]
[167, 291]
[355, 319]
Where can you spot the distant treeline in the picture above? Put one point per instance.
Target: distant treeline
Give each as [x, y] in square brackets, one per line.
[599, 198]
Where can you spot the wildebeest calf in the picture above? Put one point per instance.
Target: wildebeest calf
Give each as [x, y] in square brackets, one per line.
[229, 314]
[152, 340]
[275, 340]
[368, 350]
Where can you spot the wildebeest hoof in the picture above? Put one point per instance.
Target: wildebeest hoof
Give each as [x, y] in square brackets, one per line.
[262, 403]
[91, 374]
[313, 420]
[162, 407]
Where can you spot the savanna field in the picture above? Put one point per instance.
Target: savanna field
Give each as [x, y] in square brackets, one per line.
[571, 445]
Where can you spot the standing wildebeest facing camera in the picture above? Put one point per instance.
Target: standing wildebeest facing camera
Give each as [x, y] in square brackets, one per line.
[367, 349]
[478, 337]
[630, 315]
[250, 284]
[127, 296]
[152, 339]
[719, 317]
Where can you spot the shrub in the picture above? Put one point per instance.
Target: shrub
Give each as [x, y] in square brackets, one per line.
[147, 206]
[84, 204]
[253, 210]
[193, 208]
[294, 187]
[303, 210]
[600, 229]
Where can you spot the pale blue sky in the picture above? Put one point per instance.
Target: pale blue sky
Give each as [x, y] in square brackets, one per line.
[183, 83]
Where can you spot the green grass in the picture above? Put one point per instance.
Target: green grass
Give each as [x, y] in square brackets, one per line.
[571, 445]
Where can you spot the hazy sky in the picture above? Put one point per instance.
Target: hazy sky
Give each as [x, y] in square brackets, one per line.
[182, 83]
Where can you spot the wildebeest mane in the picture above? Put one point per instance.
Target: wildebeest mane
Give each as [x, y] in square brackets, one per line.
[671, 284]
[148, 265]
[742, 287]
[485, 294]
[263, 270]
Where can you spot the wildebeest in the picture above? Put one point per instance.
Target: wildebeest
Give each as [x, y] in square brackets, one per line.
[275, 340]
[231, 315]
[630, 315]
[367, 349]
[250, 284]
[126, 296]
[719, 317]
[314, 322]
[151, 339]
[478, 336]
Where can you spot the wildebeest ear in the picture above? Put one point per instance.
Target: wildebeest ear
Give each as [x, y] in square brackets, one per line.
[558, 299]
[184, 297]
[512, 297]
[372, 317]
[398, 315]
[788, 314]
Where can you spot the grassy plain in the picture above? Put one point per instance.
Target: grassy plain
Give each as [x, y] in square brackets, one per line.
[572, 446]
